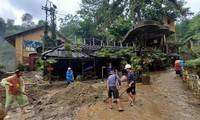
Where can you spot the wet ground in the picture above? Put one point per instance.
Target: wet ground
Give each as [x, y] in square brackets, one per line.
[165, 98]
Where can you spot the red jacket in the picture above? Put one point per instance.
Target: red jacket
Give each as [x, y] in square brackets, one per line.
[177, 67]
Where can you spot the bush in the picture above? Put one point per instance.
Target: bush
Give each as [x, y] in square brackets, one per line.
[39, 64]
[79, 78]
[193, 64]
[2, 67]
[26, 67]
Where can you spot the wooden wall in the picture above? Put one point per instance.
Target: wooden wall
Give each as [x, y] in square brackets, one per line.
[169, 22]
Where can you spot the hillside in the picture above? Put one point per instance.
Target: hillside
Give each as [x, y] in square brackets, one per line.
[7, 55]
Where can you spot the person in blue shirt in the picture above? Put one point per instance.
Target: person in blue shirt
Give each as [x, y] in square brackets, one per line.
[69, 76]
[131, 90]
[182, 67]
[110, 68]
[112, 89]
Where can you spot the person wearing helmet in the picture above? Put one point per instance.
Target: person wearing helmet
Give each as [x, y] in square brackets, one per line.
[131, 90]
[69, 76]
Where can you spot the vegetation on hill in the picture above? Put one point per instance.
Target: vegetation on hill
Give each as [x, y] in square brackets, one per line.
[109, 20]
[7, 51]
[188, 32]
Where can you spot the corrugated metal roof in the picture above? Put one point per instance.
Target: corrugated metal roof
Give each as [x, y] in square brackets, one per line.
[62, 52]
[146, 30]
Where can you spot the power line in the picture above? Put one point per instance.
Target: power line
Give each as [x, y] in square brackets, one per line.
[49, 42]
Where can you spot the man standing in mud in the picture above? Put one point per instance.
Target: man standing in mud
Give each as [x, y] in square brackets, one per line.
[131, 91]
[112, 90]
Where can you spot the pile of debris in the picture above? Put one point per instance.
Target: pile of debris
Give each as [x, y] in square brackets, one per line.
[30, 77]
[64, 103]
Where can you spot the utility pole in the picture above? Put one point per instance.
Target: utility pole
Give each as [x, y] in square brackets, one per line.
[49, 42]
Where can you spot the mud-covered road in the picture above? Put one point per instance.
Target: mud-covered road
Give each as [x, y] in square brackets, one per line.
[165, 98]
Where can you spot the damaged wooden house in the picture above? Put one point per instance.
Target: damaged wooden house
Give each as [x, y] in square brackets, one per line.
[149, 37]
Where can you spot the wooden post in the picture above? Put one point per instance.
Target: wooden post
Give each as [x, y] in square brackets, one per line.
[94, 68]
[121, 44]
[82, 62]
[75, 41]
[84, 41]
[90, 42]
[165, 42]
[107, 43]
[102, 71]
[93, 42]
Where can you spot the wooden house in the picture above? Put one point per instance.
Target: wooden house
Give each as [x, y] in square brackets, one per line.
[169, 22]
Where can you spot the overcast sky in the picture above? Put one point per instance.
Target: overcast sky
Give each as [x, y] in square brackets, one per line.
[14, 9]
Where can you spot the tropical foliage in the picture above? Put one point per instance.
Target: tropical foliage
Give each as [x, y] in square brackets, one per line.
[109, 20]
[193, 64]
[112, 19]
[189, 31]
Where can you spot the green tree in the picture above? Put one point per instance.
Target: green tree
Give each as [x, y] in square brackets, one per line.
[111, 19]
[27, 20]
[194, 26]
[40, 23]
[10, 23]
[2, 28]
[154, 9]
[69, 26]
[182, 28]
[87, 28]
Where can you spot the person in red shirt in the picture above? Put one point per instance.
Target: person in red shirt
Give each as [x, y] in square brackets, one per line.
[177, 68]
[14, 98]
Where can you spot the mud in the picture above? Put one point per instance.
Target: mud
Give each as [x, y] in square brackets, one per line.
[164, 99]
[65, 103]
[2, 114]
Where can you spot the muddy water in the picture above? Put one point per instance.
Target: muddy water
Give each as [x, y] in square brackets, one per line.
[165, 99]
